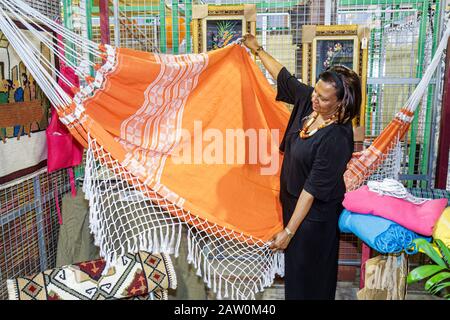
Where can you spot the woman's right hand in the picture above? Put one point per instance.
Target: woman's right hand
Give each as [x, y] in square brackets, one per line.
[250, 42]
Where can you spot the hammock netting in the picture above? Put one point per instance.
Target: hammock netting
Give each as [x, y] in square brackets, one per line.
[141, 116]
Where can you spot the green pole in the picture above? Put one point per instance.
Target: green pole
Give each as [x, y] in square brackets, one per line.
[428, 114]
[370, 87]
[175, 27]
[378, 124]
[162, 27]
[188, 18]
[379, 2]
[89, 4]
[419, 71]
[68, 23]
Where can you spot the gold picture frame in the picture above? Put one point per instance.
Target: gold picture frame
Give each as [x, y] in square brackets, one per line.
[214, 26]
[212, 30]
[328, 51]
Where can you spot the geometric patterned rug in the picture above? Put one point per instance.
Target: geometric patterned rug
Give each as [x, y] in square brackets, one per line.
[142, 276]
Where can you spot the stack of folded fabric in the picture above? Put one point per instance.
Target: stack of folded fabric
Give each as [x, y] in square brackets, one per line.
[388, 222]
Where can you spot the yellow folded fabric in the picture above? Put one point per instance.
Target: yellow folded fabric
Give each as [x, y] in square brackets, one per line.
[441, 229]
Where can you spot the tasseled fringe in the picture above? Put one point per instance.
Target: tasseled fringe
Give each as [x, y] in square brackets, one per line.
[214, 282]
[219, 289]
[155, 243]
[226, 290]
[219, 284]
[205, 276]
[177, 246]
[209, 275]
[13, 292]
[171, 272]
[167, 239]
[190, 241]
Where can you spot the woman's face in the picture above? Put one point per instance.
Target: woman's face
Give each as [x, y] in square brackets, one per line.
[324, 99]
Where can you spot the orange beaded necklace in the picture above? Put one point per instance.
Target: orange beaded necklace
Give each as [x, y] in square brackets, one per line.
[305, 134]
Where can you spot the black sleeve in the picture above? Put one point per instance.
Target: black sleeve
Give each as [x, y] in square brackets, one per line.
[290, 89]
[328, 167]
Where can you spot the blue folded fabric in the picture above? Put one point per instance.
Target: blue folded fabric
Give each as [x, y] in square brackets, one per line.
[382, 235]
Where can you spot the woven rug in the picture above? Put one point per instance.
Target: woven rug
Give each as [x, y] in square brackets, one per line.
[136, 276]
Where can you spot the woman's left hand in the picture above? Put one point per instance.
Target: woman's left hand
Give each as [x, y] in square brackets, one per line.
[280, 241]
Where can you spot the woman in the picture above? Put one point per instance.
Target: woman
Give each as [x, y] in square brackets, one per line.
[317, 145]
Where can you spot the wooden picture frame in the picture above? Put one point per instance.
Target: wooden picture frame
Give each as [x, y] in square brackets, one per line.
[214, 26]
[15, 73]
[2, 70]
[328, 51]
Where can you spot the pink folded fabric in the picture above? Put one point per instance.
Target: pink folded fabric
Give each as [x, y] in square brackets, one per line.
[419, 218]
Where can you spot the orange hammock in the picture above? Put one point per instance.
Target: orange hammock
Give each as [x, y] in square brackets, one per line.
[213, 93]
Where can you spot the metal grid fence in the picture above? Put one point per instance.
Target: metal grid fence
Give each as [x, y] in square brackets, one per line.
[29, 224]
[28, 220]
[404, 35]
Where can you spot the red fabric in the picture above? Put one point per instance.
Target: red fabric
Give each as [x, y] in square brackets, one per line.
[63, 150]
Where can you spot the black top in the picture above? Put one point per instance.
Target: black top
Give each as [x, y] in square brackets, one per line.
[316, 164]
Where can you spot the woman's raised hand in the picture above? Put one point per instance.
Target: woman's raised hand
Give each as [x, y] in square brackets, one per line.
[250, 42]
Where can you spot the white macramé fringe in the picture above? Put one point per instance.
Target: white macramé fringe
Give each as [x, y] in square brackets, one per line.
[221, 286]
[171, 271]
[166, 239]
[395, 189]
[13, 291]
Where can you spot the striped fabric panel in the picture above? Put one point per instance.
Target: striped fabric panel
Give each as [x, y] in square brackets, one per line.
[155, 129]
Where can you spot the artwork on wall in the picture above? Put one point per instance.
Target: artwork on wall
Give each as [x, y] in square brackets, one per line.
[23, 114]
[215, 26]
[221, 31]
[337, 50]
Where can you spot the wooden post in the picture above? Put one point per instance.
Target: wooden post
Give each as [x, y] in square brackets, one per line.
[444, 132]
[104, 21]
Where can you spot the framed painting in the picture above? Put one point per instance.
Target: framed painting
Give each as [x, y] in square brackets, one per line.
[215, 26]
[222, 30]
[2, 70]
[15, 73]
[334, 50]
